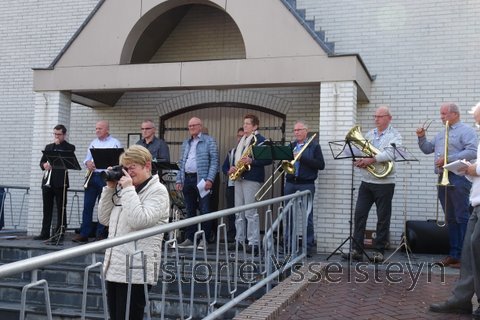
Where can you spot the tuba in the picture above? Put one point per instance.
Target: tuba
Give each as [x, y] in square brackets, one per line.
[241, 167]
[378, 169]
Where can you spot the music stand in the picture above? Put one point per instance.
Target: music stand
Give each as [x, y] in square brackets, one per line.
[106, 157]
[273, 152]
[166, 165]
[61, 160]
[401, 154]
[346, 150]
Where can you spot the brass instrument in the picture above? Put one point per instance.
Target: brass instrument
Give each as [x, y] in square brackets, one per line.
[240, 166]
[378, 169]
[286, 166]
[444, 182]
[88, 175]
[47, 175]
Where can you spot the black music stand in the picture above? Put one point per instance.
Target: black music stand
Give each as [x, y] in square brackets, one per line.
[401, 154]
[166, 165]
[273, 152]
[106, 157]
[346, 150]
[61, 160]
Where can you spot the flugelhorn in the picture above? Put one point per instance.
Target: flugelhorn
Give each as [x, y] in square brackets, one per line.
[240, 166]
[286, 166]
[47, 175]
[444, 182]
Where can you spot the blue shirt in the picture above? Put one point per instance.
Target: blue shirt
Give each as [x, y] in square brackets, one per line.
[462, 143]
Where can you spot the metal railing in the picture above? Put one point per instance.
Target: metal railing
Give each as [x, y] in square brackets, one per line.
[289, 223]
[8, 193]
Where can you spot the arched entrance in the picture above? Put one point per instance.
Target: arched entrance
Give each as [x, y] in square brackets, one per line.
[222, 121]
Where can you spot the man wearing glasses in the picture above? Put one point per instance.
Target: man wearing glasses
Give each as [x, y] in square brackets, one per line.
[158, 147]
[54, 186]
[462, 144]
[374, 189]
[198, 163]
[306, 172]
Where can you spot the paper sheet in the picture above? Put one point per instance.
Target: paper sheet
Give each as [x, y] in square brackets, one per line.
[201, 188]
[458, 167]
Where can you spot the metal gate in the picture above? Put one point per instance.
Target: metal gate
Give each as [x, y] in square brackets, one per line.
[222, 121]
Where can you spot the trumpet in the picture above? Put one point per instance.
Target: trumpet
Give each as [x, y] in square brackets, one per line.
[240, 166]
[444, 182]
[286, 166]
[88, 175]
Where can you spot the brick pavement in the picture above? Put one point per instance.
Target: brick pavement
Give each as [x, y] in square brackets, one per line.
[380, 292]
[375, 298]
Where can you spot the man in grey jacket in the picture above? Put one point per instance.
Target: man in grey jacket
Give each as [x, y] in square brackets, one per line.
[198, 163]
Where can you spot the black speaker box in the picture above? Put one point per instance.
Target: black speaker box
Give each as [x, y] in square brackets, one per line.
[427, 237]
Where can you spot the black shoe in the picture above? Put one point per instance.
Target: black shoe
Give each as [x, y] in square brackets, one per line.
[476, 314]
[356, 256]
[254, 250]
[450, 306]
[41, 237]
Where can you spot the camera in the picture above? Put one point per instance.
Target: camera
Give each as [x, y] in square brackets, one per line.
[113, 174]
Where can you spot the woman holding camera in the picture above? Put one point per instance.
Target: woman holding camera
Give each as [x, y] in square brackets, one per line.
[133, 202]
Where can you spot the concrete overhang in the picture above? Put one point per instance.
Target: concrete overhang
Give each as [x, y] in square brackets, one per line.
[279, 71]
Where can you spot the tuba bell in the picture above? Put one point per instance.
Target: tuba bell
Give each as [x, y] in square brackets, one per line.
[378, 169]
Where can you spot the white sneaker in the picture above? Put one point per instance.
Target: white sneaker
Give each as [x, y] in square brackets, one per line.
[201, 245]
[186, 244]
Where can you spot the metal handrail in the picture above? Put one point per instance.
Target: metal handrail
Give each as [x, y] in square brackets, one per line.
[299, 201]
[4, 197]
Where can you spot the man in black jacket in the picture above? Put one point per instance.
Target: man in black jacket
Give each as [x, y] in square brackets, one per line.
[54, 186]
[306, 172]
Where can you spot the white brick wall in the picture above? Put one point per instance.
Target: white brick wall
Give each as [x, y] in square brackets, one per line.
[422, 53]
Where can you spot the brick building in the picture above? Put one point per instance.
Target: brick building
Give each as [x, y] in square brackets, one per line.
[329, 62]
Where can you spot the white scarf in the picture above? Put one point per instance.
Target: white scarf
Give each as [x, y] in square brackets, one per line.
[242, 144]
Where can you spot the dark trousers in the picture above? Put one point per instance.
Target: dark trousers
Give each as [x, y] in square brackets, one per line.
[291, 188]
[194, 202]
[230, 198]
[381, 195]
[457, 211]
[117, 300]
[50, 196]
[92, 194]
[469, 282]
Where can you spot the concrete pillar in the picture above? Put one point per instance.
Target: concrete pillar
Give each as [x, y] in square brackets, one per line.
[51, 108]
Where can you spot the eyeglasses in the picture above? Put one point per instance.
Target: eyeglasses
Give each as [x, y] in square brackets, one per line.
[146, 128]
[193, 125]
[385, 115]
[297, 130]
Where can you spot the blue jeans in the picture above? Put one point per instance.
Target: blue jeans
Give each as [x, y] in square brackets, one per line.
[457, 211]
[381, 195]
[291, 188]
[92, 194]
[194, 202]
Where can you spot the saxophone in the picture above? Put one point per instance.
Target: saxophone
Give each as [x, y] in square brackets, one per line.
[240, 166]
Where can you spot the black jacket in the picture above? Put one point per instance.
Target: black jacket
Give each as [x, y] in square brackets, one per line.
[58, 178]
[310, 161]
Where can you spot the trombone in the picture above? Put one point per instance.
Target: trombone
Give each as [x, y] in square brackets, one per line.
[444, 182]
[286, 166]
